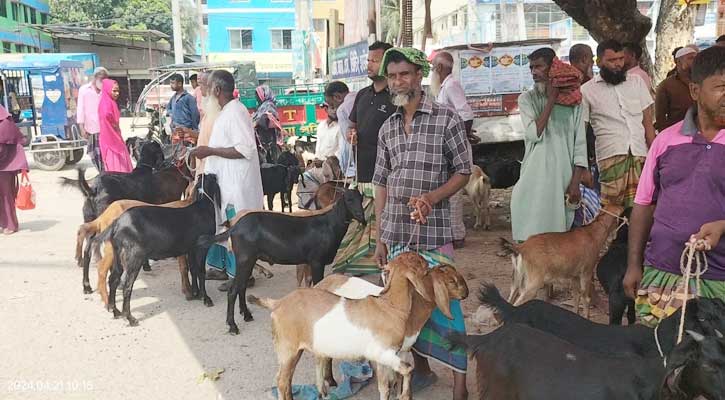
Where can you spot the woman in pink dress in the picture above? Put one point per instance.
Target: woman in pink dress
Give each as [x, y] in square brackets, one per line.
[12, 162]
[113, 150]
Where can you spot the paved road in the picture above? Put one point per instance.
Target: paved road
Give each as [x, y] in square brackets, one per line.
[58, 343]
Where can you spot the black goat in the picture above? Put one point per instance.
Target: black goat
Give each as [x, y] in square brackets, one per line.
[518, 362]
[703, 315]
[610, 273]
[285, 239]
[280, 178]
[503, 173]
[157, 233]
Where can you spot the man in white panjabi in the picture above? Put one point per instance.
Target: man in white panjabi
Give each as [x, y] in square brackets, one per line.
[232, 156]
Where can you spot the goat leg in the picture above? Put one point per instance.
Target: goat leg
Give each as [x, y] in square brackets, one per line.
[198, 268]
[103, 267]
[146, 266]
[405, 370]
[131, 275]
[186, 289]
[86, 261]
[383, 383]
[320, 372]
[318, 272]
[113, 282]
[231, 299]
[267, 273]
[329, 379]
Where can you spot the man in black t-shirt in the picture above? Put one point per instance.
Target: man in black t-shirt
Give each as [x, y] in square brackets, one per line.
[371, 108]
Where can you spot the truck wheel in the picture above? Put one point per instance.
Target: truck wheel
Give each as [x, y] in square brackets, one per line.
[49, 160]
[77, 156]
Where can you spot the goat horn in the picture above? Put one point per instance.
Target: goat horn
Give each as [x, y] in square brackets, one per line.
[718, 333]
[698, 337]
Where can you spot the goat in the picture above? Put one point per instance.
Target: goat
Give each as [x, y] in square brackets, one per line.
[503, 173]
[561, 256]
[104, 221]
[285, 239]
[294, 174]
[518, 362]
[143, 233]
[443, 280]
[610, 273]
[331, 326]
[703, 315]
[478, 190]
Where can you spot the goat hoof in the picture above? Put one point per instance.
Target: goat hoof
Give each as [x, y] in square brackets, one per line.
[87, 289]
[188, 296]
[208, 302]
[248, 317]
[117, 314]
[132, 321]
[331, 382]
[147, 267]
[233, 329]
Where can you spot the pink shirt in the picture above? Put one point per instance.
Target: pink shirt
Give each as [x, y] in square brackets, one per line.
[198, 97]
[642, 74]
[87, 114]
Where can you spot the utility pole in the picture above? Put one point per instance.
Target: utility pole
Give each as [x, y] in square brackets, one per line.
[202, 29]
[176, 20]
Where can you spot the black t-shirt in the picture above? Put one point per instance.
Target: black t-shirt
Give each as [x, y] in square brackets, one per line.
[369, 112]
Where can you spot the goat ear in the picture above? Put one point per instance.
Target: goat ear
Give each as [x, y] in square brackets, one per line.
[417, 279]
[390, 271]
[442, 297]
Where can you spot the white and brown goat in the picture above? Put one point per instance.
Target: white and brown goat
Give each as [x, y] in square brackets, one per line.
[562, 257]
[478, 190]
[373, 328]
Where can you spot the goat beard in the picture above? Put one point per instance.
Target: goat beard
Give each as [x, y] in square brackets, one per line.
[435, 84]
[401, 99]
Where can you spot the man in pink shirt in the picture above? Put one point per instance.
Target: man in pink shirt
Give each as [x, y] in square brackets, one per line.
[632, 55]
[89, 96]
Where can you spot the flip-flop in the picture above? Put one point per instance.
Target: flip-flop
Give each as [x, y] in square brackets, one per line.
[419, 381]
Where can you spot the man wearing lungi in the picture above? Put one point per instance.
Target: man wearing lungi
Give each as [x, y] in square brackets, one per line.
[422, 159]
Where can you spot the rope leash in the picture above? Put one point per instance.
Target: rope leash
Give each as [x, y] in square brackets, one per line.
[691, 253]
[415, 234]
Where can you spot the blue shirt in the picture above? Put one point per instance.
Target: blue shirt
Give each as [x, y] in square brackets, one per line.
[183, 111]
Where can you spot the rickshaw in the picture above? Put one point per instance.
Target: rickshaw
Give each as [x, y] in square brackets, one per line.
[42, 98]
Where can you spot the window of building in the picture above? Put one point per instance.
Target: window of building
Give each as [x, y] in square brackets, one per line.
[26, 13]
[281, 39]
[33, 19]
[454, 19]
[7, 47]
[340, 34]
[203, 2]
[19, 48]
[240, 39]
[43, 18]
[14, 8]
[539, 16]
[3, 8]
[204, 19]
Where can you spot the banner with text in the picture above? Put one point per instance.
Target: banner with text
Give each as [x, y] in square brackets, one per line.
[349, 61]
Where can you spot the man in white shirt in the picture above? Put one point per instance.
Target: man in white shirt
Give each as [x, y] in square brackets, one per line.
[449, 92]
[89, 96]
[339, 97]
[328, 136]
[232, 156]
[617, 106]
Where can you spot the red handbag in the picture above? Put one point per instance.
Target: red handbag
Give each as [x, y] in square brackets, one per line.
[25, 200]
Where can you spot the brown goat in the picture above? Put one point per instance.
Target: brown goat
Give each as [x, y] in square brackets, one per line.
[443, 280]
[478, 190]
[331, 326]
[104, 221]
[562, 257]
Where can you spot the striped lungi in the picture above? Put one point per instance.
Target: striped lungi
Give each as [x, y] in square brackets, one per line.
[618, 178]
[357, 249]
[660, 294]
[432, 342]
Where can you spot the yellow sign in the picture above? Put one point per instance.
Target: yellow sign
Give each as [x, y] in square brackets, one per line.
[694, 2]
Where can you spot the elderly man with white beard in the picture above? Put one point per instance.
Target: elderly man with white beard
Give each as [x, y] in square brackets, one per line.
[449, 92]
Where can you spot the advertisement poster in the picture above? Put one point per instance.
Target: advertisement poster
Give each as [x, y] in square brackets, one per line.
[483, 106]
[503, 70]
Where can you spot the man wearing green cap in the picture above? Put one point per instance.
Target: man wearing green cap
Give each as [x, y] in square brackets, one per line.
[422, 159]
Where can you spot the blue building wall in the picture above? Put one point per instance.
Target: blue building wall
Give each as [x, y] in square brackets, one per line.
[260, 16]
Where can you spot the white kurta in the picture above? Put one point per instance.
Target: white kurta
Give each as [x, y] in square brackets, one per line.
[328, 140]
[240, 180]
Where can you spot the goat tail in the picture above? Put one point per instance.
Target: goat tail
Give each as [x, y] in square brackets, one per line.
[266, 302]
[205, 241]
[509, 247]
[490, 296]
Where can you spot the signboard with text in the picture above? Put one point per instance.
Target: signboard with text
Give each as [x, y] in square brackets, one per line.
[349, 61]
[500, 71]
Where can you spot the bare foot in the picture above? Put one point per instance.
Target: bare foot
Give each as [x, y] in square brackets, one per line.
[7, 231]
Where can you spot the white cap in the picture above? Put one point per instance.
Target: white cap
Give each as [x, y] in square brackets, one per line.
[685, 51]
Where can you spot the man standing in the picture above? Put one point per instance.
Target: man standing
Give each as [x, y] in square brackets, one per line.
[449, 92]
[619, 111]
[673, 94]
[371, 108]
[328, 136]
[196, 86]
[422, 160]
[554, 159]
[681, 195]
[89, 96]
[339, 98]
[232, 156]
[581, 57]
[182, 107]
[632, 55]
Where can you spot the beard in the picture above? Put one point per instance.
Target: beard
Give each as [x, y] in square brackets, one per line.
[211, 107]
[435, 84]
[612, 77]
[540, 87]
[401, 99]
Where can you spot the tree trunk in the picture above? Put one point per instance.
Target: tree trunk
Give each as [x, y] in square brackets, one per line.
[427, 25]
[675, 27]
[406, 23]
[612, 19]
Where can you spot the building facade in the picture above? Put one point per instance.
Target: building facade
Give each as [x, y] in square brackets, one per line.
[15, 34]
[252, 30]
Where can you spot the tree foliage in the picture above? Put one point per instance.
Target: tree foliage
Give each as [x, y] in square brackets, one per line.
[127, 14]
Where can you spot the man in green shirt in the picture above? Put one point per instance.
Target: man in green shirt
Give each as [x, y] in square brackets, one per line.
[555, 157]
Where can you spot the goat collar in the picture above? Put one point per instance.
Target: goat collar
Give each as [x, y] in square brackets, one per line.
[659, 347]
